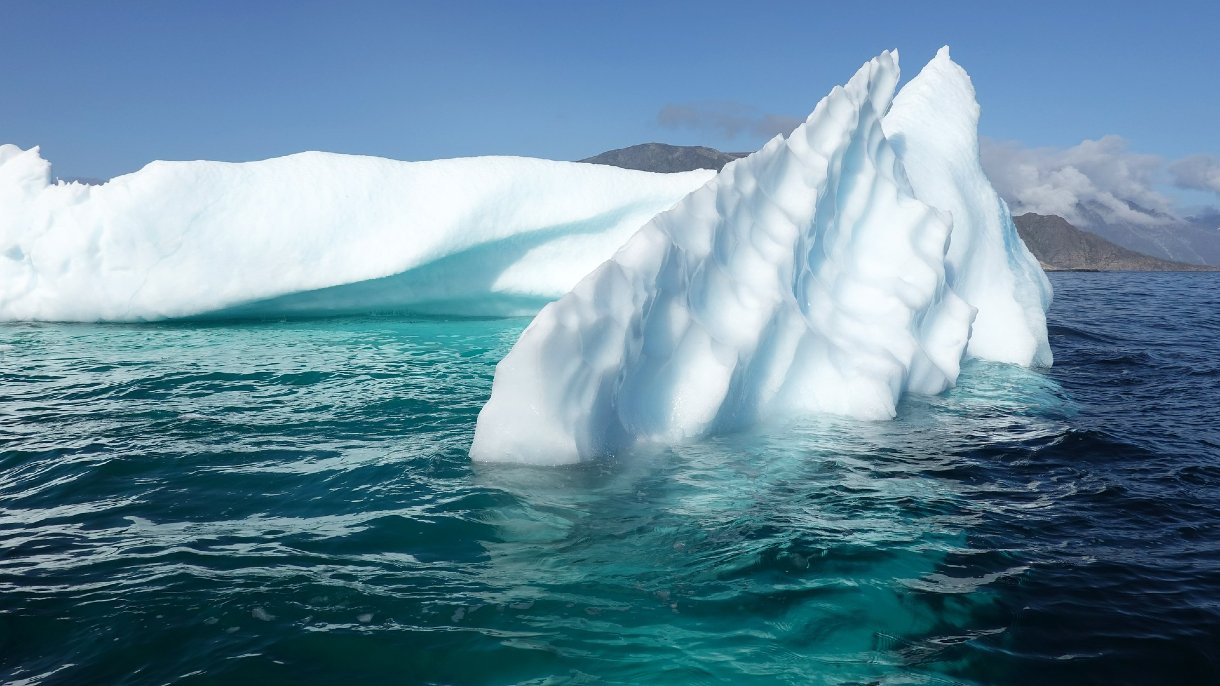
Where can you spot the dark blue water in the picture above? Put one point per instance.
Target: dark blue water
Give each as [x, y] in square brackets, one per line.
[291, 502]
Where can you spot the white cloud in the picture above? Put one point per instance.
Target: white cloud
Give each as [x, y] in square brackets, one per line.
[1197, 172]
[1094, 180]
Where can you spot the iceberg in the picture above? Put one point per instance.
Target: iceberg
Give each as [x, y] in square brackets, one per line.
[830, 272]
[313, 233]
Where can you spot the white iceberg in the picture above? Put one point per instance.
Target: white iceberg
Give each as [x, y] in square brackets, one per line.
[313, 233]
[820, 274]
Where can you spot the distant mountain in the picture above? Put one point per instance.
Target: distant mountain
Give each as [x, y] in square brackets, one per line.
[659, 157]
[1057, 244]
[1060, 246]
[1195, 239]
[1210, 219]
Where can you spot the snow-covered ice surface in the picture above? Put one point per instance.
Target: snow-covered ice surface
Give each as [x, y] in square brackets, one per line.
[313, 233]
[821, 274]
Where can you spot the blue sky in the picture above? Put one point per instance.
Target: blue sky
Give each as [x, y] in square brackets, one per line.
[106, 87]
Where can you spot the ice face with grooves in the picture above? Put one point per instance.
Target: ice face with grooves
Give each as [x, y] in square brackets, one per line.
[934, 126]
[313, 233]
[807, 277]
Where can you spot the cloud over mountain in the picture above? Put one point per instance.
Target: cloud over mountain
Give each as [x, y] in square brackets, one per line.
[1122, 195]
[1095, 177]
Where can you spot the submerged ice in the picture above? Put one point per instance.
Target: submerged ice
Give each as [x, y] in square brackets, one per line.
[313, 233]
[832, 271]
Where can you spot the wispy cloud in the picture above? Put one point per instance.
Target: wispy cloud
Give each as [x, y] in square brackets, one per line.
[729, 119]
[1197, 172]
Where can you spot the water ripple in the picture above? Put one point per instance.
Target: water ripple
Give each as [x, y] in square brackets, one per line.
[292, 502]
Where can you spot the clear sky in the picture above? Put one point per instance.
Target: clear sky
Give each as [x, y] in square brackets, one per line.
[105, 87]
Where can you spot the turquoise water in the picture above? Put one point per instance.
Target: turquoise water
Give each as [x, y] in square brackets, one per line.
[291, 502]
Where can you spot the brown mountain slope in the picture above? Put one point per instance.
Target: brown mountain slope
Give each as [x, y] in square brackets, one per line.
[1060, 246]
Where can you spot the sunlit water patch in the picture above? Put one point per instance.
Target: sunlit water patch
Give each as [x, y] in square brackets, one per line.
[271, 502]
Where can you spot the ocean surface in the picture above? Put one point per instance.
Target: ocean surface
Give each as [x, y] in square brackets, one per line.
[291, 502]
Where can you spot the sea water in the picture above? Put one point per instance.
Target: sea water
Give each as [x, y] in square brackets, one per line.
[260, 502]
